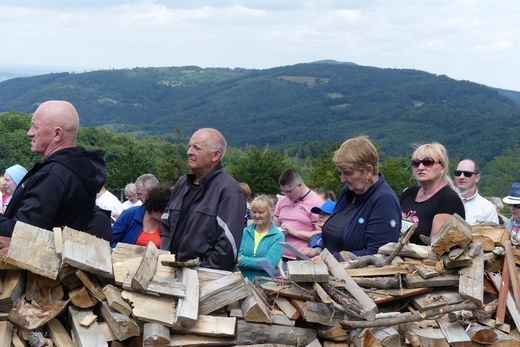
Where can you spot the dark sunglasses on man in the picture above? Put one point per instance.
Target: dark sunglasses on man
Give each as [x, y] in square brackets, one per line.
[466, 174]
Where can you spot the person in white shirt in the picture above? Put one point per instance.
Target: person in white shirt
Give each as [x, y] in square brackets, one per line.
[108, 201]
[478, 209]
[131, 196]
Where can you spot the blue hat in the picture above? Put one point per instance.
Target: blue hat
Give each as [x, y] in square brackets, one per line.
[327, 207]
[16, 172]
[514, 195]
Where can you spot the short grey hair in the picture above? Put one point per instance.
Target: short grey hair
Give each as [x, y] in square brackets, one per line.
[147, 181]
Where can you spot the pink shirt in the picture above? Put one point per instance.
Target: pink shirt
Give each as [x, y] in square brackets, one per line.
[298, 215]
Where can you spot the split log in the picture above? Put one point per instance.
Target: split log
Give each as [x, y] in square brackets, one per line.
[146, 270]
[497, 233]
[87, 252]
[122, 326]
[32, 249]
[425, 333]
[454, 232]
[155, 334]
[152, 309]
[384, 337]
[31, 316]
[200, 341]
[410, 250]
[85, 337]
[253, 307]
[318, 312]
[81, 298]
[161, 285]
[285, 305]
[211, 326]
[380, 282]
[407, 317]
[68, 277]
[13, 287]
[188, 306]
[58, 334]
[471, 284]
[254, 333]
[503, 291]
[6, 333]
[222, 292]
[288, 290]
[92, 286]
[115, 300]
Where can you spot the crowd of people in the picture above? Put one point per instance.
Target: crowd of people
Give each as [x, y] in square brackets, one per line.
[208, 215]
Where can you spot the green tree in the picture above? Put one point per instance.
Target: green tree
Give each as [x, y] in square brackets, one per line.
[397, 173]
[325, 174]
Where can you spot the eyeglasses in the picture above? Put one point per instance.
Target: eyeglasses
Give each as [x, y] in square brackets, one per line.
[427, 162]
[515, 205]
[287, 192]
[467, 174]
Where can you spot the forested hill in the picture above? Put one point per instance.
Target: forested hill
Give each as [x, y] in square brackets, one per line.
[286, 105]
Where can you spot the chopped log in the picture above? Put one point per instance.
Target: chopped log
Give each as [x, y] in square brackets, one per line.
[471, 284]
[380, 282]
[445, 280]
[81, 298]
[58, 334]
[6, 333]
[85, 337]
[155, 334]
[285, 305]
[188, 306]
[497, 233]
[375, 337]
[457, 262]
[122, 326]
[483, 335]
[123, 266]
[513, 273]
[307, 271]
[152, 309]
[335, 333]
[288, 290]
[161, 285]
[337, 271]
[93, 287]
[212, 326]
[87, 252]
[31, 316]
[144, 273]
[454, 333]
[200, 341]
[13, 286]
[115, 300]
[253, 307]
[454, 232]
[350, 304]
[251, 333]
[219, 293]
[425, 333]
[324, 297]
[487, 244]
[318, 312]
[410, 250]
[407, 317]
[279, 318]
[32, 249]
[107, 332]
[68, 277]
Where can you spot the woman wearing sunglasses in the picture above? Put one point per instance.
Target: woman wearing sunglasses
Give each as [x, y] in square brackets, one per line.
[436, 198]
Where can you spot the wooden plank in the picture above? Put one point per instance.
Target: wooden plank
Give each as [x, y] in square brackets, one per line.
[454, 232]
[6, 333]
[437, 298]
[513, 273]
[510, 302]
[307, 271]
[426, 333]
[410, 250]
[121, 267]
[87, 252]
[324, 297]
[211, 326]
[337, 271]
[85, 336]
[115, 300]
[219, 293]
[188, 306]
[288, 290]
[318, 312]
[253, 333]
[503, 292]
[122, 326]
[387, 270]
[58, 241]
[144, 273]
[33, 249]
[279, 318]
[445, 280]
[454, 333]
[471, 283]
[151, 308]
[58, 334]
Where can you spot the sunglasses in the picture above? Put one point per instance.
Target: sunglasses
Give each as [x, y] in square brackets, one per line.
[427, 162]
[515, 205]
[467, 174]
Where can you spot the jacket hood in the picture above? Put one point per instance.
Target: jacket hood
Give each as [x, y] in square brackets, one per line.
[88, 165]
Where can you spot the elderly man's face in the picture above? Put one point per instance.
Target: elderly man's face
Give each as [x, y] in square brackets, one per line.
[201, 158]
[41, 133]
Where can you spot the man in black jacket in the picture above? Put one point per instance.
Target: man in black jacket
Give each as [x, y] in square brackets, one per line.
[60, 191]
[205, 215]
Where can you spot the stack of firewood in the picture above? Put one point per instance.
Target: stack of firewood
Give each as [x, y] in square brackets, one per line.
[67, 288]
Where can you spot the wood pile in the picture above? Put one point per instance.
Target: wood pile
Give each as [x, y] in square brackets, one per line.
[66, 288]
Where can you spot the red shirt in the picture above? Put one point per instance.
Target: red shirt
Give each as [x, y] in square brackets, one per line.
[144, 238]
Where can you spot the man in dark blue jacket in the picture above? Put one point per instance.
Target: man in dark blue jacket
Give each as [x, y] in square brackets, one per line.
[60, 191]
[205, 215]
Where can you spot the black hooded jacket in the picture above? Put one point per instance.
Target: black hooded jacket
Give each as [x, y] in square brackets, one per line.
[59, 192]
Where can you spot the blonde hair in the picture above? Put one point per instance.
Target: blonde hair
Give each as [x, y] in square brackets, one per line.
[438, 152]
[263, 202]
[355, 154]
[2, 188]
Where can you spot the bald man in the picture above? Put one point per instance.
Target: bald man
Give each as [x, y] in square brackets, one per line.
[61, 190]
[205, 215]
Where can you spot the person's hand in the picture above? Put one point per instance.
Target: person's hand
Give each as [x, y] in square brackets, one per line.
[310, 252]
[286, 228]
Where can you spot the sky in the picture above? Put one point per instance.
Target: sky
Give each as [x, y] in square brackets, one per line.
[474, 40]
